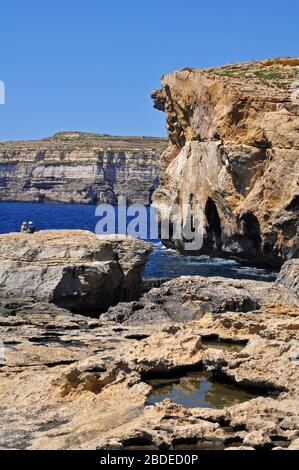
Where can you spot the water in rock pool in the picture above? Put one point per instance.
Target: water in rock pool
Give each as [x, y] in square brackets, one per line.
[162, 262]
[197, 389]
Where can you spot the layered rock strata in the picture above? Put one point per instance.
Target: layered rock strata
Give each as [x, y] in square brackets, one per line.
[233, 155]
[75, 167]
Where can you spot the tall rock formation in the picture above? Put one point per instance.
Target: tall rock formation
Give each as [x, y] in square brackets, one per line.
[80, 168]
[234, 150]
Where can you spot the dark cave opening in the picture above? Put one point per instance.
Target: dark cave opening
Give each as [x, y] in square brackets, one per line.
[251, 229]
[213, 227]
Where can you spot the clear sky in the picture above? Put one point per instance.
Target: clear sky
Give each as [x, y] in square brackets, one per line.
[90, 65]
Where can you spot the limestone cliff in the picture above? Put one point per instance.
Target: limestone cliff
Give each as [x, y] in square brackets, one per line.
[234, 148]
[80, 168]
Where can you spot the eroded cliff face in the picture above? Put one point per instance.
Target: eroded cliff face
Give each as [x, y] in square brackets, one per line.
[80, 168]
[234, 148]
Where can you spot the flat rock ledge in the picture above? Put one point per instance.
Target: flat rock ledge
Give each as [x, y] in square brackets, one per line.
[74, 269]
[190, 297]
[68, 381]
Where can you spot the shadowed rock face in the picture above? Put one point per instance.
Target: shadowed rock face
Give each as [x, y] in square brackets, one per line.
[74, 269]
[80, 168]
[234, 146]
[289, 277]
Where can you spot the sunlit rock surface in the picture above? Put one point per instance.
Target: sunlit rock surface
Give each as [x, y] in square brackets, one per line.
[74, 269]
[234, 146]
[72, 382]
[81, 168]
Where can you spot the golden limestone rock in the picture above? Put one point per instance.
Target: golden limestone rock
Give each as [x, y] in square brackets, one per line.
[234, 146]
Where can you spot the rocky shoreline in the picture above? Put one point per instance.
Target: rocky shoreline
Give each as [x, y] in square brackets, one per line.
[75, 382]
[85, 339]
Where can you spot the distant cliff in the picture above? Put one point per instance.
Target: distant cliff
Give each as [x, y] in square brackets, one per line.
[76, 167]
[234, 151]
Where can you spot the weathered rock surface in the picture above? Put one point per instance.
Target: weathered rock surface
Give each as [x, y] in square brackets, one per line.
[74, 269]
[190, 297]
[289, 276]
[71, 382]
[233, 151]
[80, 168]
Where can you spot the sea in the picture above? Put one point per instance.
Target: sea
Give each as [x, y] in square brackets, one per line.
[163, 262]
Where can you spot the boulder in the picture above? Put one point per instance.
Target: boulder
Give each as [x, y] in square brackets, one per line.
[74, 269]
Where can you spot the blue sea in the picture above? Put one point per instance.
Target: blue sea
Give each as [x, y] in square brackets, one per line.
[163, 262]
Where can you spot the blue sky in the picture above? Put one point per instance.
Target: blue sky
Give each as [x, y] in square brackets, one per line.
[91, 65]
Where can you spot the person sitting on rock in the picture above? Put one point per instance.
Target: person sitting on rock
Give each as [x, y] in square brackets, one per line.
[24, 227]
[30, 228]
